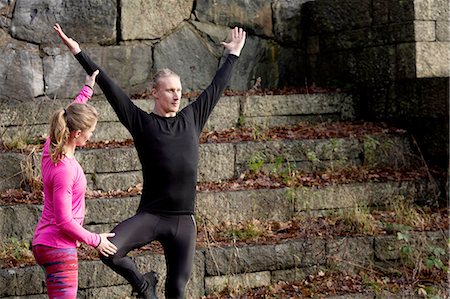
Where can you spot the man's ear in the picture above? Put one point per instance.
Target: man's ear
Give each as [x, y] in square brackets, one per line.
[154, 93]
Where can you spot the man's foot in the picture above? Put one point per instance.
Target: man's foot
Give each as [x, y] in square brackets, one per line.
[150, 291]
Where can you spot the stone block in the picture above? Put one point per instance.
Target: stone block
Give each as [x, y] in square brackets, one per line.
[425, 31]
[388, 11]
[106, 210]
[337, 15]
[237, 282]
[287, 20]
[295, 274]
[151, 20]
[21, 71]
[432, 10]
[236, 206]
[20, 221]
[130, 67]
[350, 254]
[443, 31]
[225, 115]
[216, 162]
[117, 181]
[11, 176]
[257, 17]
[33, 20]
[93, 274]
[196, 69]
[432, 59]
[120, 291]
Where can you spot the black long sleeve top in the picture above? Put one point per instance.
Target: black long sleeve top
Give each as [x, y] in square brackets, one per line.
[167, 146]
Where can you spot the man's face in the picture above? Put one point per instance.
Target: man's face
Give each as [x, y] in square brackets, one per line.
[167, 94]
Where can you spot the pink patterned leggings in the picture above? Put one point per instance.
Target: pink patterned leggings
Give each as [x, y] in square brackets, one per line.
[60, 266]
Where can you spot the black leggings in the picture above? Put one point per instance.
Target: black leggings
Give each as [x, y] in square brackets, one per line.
[177, 234]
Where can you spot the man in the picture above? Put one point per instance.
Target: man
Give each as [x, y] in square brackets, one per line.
[167, 142]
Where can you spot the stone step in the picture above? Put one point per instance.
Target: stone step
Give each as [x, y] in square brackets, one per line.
[216, 268]
[26, 120]
[119, 168]
[278, 204]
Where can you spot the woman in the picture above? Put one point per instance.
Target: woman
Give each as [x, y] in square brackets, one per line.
[60, 228]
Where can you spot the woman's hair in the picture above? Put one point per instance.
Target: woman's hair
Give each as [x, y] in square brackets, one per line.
[162, 73]
[75, 117]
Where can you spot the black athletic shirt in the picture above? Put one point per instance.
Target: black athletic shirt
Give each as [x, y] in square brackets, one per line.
[168, 146]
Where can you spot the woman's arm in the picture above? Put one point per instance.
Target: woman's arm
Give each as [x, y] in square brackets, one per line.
[62, 205]
[86, 92]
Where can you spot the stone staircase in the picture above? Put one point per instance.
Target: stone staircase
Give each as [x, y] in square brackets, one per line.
[113, 168]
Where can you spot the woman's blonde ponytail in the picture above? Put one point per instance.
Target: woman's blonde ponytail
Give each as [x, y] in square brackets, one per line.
[76, 116]
[59, 135]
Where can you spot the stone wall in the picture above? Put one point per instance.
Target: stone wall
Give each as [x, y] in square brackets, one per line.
[395, 53]
[131, 39]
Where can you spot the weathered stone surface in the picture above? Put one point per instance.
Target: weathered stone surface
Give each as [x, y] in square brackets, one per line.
[293, 151]
[295, 274]
[107, 210]
[19, 221]
[254, 15]
[388, 248]
[120, 291]
[86, 21]
[299, 104]
[432, 59]
[229, 260]
[225, 115]
[425, 31]
[443, 31]
[216, 162]
[152, 19]
[431, 10]
[117, 181]
[350, 254]
[215, 33]
[21, 72]
[130, 66]
[240, 281]
[184, 53]
[335, 197]
[22, 281]
[287, 20]
[97, 274]
[11, 175]
[243, 205]
[108, 160]
[387, 11]
[337, 15]
[393, 151]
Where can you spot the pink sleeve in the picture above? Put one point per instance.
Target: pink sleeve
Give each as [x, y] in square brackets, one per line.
[62, 196]
[84, 95]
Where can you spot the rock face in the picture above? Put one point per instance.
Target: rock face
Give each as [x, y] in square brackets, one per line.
[152, 19]
[88, 21]
[376, 47]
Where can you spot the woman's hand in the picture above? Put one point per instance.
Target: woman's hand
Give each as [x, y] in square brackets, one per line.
[90, 80]
[236, 39]
[105, 247]
[73, 46]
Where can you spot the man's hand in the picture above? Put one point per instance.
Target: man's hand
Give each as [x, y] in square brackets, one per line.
[73, 46]
[236, 41]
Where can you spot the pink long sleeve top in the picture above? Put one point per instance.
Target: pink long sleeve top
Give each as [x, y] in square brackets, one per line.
[61, 223]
